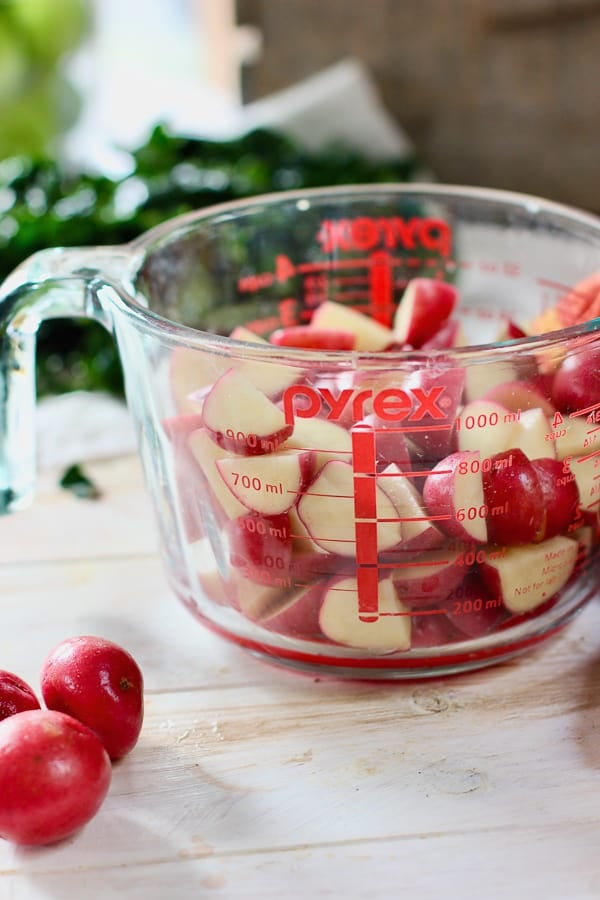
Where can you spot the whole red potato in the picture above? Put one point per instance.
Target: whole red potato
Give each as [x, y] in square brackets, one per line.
[99, 683]
[54, 775]
[15, 695]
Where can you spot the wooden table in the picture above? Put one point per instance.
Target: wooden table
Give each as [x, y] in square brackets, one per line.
[249, 781]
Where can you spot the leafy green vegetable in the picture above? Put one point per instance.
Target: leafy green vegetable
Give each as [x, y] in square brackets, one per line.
[42, 204]
[75, 480]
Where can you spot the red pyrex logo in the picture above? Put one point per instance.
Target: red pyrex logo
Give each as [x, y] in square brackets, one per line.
[366, 233]
[389, 405]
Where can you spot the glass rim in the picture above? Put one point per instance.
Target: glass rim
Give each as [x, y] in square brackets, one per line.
[534, 204]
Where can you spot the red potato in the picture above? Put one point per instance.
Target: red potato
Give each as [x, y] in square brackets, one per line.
[258, 600]
[576, 383]
[310, 338]
[518, 396]
[328, 440]
[368, 334]
[527, 577]
[516, 513]
[54, 776]
[419, 533]
[101, 685]
[434, 433]
[192, 372]
[241, 333]
[481, 379]
[328, 512]
[572, 437]
[212, 489]
[433, 630]
[448, 336]
[340, 619]
[472, 608]
[427, 581]
[560, 495]
[585, 470]
[269, 484]
[510, 330]
[491, 428]
[423, 310]
[297, 614]
[259, 544]
[15, 695]
[453, 493]
[241, 419]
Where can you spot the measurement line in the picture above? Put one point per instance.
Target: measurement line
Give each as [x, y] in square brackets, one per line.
[414, 428]
[323, 450]
[556, 285]
[592, 430]
[422, 472]
[418, 519]
[341, 296]
[581, 459]
[415, 564]
[364, 463]
[327, 265]
[350, 279]
[416, 612]
[335, 496]
[584, 412]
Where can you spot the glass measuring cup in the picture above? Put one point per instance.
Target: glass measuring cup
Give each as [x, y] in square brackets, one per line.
[381, 511]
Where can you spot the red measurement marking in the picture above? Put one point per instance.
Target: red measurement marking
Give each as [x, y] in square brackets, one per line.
[368, 594]
[366, 543]
[425, 518]
[584, 412]
[592, 430]
[417, 612]
[363, 451]
[351, 296]
[382, 289]
[365, 498]
[350, 279]
[555, 285]
[410, 428]
[417, 519]
[335, 496]
[364, 461]
[328, 265]
[324, 450]
[581, 459]
[415, 564]
[421, 472]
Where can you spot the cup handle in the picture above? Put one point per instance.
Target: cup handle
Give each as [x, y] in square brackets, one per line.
[55, 283]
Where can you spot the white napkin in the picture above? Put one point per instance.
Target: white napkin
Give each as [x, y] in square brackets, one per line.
[78, 426]
[341, 104]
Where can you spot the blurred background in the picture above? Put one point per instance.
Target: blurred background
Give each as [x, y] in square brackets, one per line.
[117, 114]
[492, 92]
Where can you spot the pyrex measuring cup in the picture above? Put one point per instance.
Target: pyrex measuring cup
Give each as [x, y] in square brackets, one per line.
[382, 511]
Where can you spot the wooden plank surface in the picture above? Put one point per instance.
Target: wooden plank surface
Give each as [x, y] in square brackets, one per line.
[251, 781]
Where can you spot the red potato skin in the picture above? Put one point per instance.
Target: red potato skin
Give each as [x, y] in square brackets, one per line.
[15, 695]
[101, 685]
[310, 338]
[54, 776]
